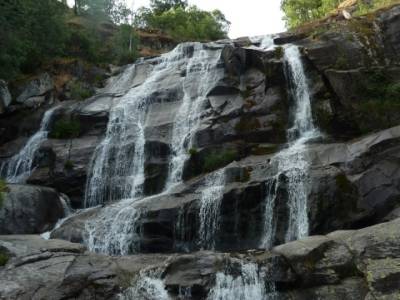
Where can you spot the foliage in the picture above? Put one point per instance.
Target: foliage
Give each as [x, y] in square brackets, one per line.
[193, 151]
[68, 165]
[298, 12]
[380, 107]
[79, 91]
[184, 22]
[110, 10]
[3, 189]
[3, 258]
[64, 129]
[30, 32]
[218, 159]
[125, 45]
[161, 6]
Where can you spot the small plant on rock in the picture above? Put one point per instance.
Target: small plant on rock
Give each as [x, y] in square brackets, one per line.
[64, 129]
[3, 190]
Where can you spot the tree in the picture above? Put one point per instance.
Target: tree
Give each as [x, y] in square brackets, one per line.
[185, 23]
[160, 6]
[298, 12]
[30, 31]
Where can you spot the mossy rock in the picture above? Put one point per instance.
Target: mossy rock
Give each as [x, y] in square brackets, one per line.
[247, 124]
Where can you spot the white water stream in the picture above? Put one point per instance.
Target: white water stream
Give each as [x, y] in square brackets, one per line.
[18, 168]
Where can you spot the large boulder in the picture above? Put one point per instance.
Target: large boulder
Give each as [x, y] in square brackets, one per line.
[29, 209]
[36, 92]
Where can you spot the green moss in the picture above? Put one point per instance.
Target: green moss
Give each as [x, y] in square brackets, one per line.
[341, 63]
[3, 190]
[379, 106]
[247, 124]
[193, 151]
[343, 184]
[218, 159]
[245, 93]
[79, 91]
[264, 150]
[4, 257]
[68, 165]
[279, 52]
[64, 129]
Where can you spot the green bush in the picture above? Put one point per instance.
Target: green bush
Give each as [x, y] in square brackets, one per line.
[279, 52]
[66, 129]
[79, 91]
[3, 190]
[68, 165]
[185, 23]
[3, 258]
[218, 159]
[193, 151]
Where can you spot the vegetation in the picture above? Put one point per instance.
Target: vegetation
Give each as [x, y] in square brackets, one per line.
[66, 129]
[68, 165]
[3, 190]
[218, 159]
[182, 22]
[79, 91]
[380, 105]
[298, 12]
[35, 32]
[4, 257]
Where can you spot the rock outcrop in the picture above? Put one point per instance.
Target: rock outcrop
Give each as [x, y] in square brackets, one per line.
[29, 209]
[358, 264]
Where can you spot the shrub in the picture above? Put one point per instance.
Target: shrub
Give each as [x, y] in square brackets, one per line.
[66, 129]
[218, 159]
[68, 165]
[79, 91]
[193, 151]
[3, 189]
[279, 52]
[3, 258]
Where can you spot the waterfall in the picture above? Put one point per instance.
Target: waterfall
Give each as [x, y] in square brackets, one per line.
[65, 202]
[210, 203]
[200, 74]
[113, 231]
[148, 285]
[250, 285]
[18, 168]
[117, 168]
[292, 162]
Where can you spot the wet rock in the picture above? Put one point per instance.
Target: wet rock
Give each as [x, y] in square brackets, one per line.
[5, 96]
[29, 209]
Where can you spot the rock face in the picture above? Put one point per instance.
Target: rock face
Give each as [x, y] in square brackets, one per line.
[29, 209]
[5, 96]
[36, 92]
[358, 264]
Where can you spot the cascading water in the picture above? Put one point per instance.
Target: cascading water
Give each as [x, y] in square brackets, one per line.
[210, 203]
[117, 171]
[292, 162]
[147, 286]
[200, 73]
[19, 167]
[67, 214]
[250, 285]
